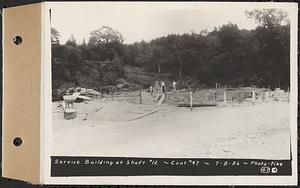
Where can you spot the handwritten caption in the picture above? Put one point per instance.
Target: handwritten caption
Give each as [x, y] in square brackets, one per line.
[187, 162]
[130, 166]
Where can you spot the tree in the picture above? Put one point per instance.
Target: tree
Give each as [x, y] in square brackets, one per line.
[228, 37]
[226, 55]
[156, 54]
[71, 41]
[272, 36]
[186, 50]
[105, 35]
[54, 36]
[228, 58]
[105, 43]
[268, 18]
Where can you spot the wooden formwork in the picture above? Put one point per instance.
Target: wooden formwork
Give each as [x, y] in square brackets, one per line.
[240, 94]
[206, 96]
[199, 97]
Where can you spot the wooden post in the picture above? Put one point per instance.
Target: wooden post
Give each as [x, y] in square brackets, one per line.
[253, 97]
[191, 99]
[216, 96]
[241, 95]
[140, 96]
[165, 94]
[216, 92]
[225, 99]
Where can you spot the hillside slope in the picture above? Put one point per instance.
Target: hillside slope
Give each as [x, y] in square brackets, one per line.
[139, 78]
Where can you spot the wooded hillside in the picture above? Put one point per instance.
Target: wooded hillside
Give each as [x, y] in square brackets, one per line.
[226, 55]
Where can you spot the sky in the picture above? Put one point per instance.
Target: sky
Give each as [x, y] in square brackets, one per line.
[147, 21]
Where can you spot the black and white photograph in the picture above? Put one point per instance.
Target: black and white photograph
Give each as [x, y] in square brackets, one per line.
[171, 80]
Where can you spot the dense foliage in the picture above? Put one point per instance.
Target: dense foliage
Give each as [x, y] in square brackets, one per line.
[226, 55]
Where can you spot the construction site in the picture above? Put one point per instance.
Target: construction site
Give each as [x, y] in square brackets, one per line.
[160, 121]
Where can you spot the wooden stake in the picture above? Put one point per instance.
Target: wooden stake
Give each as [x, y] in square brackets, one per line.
[191, 99]
[140, 96]
[225, 99]
[253, 97]
[216, 93]
[241, 95]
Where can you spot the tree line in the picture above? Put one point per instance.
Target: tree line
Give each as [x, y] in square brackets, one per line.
[227, 55]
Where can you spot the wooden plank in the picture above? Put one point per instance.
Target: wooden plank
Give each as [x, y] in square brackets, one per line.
[84, 98]
[161, 99]
[146, 114]
[157, 97]
[195, 105]
[99, 108]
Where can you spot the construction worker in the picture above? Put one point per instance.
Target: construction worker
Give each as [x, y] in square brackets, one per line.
[151, 90]
[174, 85]
[163, 87]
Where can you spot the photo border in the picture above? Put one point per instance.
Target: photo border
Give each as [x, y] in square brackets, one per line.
[171, 180]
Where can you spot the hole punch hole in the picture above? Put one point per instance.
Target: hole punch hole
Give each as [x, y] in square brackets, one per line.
[17, 141]
[18, 40]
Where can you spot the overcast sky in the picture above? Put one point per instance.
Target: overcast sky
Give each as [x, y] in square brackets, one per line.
[146, 21]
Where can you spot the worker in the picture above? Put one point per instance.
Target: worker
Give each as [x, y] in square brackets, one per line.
[163, 87]
[174, 85]
[151, 90]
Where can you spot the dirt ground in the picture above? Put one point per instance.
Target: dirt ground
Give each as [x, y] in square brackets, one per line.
[101, 128]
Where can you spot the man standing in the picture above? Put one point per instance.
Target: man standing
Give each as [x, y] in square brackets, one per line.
[151, 90]
[174, 85]
[163, 87]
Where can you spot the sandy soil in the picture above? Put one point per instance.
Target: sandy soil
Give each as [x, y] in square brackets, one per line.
[260, 131]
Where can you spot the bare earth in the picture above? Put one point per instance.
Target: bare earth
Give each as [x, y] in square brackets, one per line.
[260, 131]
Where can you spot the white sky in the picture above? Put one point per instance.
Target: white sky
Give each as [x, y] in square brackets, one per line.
[146, 21]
